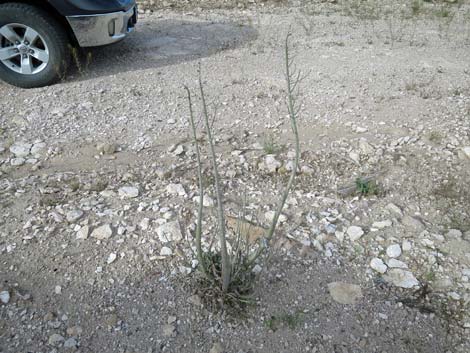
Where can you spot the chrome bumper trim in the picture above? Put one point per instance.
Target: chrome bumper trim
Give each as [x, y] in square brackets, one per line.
[96, 30]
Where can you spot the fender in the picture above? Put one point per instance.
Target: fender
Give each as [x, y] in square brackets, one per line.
[89, 7]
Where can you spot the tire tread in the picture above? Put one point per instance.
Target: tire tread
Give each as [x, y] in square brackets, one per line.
[54, 30]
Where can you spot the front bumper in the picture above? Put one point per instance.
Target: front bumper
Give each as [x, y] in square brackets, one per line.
[96, 30]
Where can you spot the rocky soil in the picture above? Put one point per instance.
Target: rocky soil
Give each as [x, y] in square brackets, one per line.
[98, 189]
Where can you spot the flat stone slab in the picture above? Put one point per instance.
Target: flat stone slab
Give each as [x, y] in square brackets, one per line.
[345, 293]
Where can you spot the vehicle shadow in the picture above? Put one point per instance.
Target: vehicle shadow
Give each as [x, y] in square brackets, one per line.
[158, 43]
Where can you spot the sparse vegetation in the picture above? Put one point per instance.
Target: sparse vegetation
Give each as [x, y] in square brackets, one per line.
[401, 17]
[416, 7]
[270, 146]
[119, 232]
[435, 137]
[228, 271]
[366, 187]
[430, 276]
[289, 320]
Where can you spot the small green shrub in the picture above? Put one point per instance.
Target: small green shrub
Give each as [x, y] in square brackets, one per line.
[291, 321]
[366, 187]
[270, 145]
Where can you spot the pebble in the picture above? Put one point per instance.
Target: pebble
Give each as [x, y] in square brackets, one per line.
[271, 163]
[112, 320]
[74, 331]
[257, 269]
[378, 265]
[55, 339]
[195, 300]
[106, 148]
[412, 223]
[144, 224]
[365, 147]
[171, 319]
[401, 278]
[207, 201]
[128, 192]
[360, 129]
[83, 232]
[269, 216]
[74, 215]
[16, 162]
[392, 208]
[406, 245]
[179, 150]
[216, 348]
[355, 157]
[103, 232]
[166, 251]
[454, 233]
[355, 233]
[382, 224]
[466, 151]
[394, 263]
[37, 148]
[394, 251]
[345, 293]
[70, 343]
[5, 297]
[176, 189]
[111, 258]
[168, 330]
[31, 161]
[21, 149]
[442, 284]
[170, 231]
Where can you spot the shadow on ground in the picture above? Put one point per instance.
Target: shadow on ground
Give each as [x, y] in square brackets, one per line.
[158, 43]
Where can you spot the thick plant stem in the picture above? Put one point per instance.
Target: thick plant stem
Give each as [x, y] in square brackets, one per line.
[292, 82]
[226, 265]
[200, 257]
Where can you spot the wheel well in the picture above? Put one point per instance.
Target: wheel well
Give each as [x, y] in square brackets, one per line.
[44, 5]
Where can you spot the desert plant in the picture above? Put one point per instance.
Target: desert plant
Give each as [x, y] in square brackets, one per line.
[270, 146]
[416, 7]
[228, 274]
[416, 11]
[402, 20]
[290, 320]
[445, 15]
[364, 11]
[366, 187]
[466, 20]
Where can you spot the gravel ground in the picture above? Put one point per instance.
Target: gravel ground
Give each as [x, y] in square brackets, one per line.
[97, 175]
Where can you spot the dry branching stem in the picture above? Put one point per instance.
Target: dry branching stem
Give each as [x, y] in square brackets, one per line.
[293, 78]
[198, 236]
[240, 276]
[226, 266]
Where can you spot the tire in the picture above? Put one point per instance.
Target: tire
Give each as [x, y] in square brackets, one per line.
[36, 64]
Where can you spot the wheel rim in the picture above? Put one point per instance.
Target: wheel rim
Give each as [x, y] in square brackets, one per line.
[22, 49]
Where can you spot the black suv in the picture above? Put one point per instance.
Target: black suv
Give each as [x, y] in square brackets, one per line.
[37, 36]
